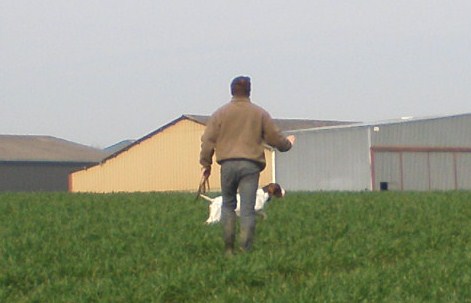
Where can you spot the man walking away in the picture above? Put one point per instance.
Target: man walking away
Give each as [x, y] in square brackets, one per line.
[237, 132]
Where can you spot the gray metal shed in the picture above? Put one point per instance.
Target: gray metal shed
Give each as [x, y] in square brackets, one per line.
[418, 154]
[41, 163]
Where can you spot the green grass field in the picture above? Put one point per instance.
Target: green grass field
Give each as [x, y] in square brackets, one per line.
[314, 247]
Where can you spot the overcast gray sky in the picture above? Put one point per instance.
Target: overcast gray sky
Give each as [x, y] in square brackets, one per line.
[99, 71]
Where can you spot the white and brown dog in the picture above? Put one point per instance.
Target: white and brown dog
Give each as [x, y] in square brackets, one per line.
[264, 195]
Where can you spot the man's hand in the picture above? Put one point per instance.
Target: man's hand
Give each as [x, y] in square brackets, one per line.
[206, 172]
[204, 182]
[291, 138]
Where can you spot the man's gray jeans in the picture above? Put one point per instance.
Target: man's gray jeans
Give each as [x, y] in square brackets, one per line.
[239, 175]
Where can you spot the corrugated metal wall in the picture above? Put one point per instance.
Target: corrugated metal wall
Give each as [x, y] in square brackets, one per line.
[326, 159]
[387, 166]
[423, 155]
[418, 155]
[415, 172]
[463, 170]
[36, 176]
[443, 132]
[167, 161]
[423, 170]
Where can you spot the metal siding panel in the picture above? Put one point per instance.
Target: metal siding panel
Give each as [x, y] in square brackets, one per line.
[167, 161]
[267, 174]
[442, 132]
[326, 160]
[35, 177]
[176, 154]
[463, 171]
[415, 171]
[442, 174]
[422, 169]
[388, 169]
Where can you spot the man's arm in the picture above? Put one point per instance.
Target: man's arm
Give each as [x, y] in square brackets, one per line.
[208, 144]
[274, 137]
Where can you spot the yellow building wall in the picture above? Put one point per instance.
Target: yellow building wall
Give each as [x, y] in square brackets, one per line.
[166, 161]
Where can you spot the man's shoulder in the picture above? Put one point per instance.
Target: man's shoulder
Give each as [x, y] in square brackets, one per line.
[251, 106]
[221, 110]
[259, 108]
[232, 107]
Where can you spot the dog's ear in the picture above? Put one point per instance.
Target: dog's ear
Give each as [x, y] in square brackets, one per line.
[275, 189]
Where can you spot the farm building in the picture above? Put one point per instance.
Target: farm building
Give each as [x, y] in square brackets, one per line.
[416, 154]
[41, 163]
[167, 159]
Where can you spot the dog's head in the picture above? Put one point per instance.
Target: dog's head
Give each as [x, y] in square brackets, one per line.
[274, 190]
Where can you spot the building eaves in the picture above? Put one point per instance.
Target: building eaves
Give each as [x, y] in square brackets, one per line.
[403, 120]
[296, 124]
[201, 119]
[284, 124]
[118, 146]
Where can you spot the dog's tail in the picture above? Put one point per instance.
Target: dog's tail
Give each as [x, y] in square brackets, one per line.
[207, 198]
